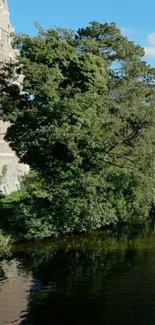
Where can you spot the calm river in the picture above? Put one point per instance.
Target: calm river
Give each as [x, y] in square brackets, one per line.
[82, 280]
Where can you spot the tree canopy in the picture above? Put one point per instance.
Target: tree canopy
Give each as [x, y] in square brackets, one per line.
[85, 122]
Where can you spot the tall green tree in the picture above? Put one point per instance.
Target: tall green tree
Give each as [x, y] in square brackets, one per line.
[85, 122]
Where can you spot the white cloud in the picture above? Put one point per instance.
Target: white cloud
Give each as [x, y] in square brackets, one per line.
[150, 48]
[151, 39]
[149, 52]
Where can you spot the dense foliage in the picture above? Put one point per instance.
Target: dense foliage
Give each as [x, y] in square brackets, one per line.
[84, 121]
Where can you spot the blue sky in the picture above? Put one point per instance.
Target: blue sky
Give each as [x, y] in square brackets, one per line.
[136, 18]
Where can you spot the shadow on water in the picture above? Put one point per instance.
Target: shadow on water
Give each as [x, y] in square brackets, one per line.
[90, 280]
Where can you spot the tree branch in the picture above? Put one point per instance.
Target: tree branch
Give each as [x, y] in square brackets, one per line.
[130, 137]
[121, 155]
[121, 166]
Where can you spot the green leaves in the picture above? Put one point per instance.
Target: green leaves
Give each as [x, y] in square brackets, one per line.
[85, 121]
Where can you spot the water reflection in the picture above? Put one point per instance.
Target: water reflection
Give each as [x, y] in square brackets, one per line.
[14, 291]
[84, 281]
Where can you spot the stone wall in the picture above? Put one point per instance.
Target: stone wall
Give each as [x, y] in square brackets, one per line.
[6, 29]
[14, 170]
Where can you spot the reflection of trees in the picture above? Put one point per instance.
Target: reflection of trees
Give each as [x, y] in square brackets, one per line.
[84, 280]
[71, 281]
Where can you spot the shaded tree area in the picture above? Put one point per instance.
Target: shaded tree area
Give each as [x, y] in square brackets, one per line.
[85, 123]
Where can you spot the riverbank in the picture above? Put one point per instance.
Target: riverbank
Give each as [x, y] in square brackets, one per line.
[5, 243]
[9, 237]
[8, 205]
[14, 228]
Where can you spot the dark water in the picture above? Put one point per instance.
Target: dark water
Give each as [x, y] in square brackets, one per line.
[86, 280]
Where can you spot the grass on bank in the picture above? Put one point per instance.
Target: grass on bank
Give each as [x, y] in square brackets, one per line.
[12, 198]
[7, 206]
[5, 243]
